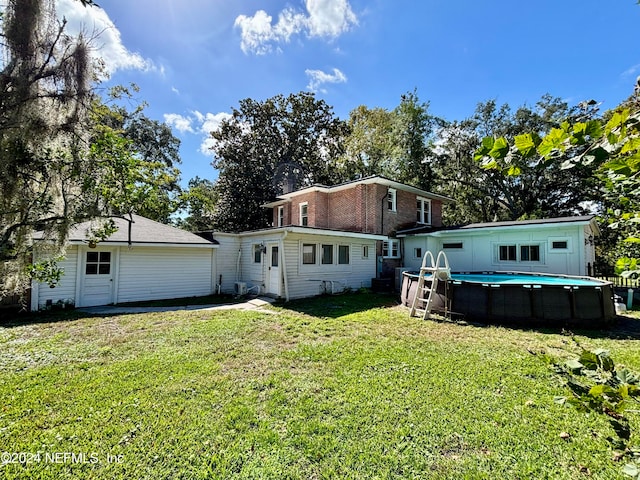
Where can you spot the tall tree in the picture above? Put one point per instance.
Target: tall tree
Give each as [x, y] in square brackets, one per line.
[45, 91]
[63, 160]
[199, 200]
[517, 188]
[282, 142]
[413, 135]
[394, 143]
[147, 148]
[609, 147]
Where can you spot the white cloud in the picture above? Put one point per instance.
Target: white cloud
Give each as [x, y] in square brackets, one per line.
[323, 18]
[318, 78]
[198, 123]
[107, 42]
[179, 122]
[631, 71]
[330, 18]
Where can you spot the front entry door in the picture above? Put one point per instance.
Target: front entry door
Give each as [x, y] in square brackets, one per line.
[273, 273]
[97, 285]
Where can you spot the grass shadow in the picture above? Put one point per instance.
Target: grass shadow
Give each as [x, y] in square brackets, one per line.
[18, 319]
[623, 327]
[334, 306]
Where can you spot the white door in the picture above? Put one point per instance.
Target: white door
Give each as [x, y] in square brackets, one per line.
[97, 284]
[273, 273]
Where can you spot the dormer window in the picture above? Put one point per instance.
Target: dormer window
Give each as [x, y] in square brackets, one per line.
[304, 214]
[391, 200]
[424, 211]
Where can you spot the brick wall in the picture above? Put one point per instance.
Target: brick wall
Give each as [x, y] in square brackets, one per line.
[362, 208]
[345, 209]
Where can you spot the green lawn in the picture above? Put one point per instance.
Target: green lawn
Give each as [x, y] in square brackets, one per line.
[335, 387]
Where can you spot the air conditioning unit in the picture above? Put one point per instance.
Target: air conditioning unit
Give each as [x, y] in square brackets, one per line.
[240, 288]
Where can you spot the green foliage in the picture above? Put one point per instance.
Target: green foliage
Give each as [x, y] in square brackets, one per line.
[284, 141]
[598, 385]
[200, 201]
[489, 163]
[46, 271]
[605, 150]
[132, 162]
[66, 157]
[396, 143]
[626, 263]
[44, 90]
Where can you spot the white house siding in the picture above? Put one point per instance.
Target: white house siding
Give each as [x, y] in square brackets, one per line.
[227, 261]
[150, 273]
[310, 280]
[65, 290]
[252, 273]
[479, 252]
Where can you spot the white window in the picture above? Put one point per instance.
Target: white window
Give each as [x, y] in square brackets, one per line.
[257, 253]
[392, 204]
[519, 253]
[507, 253]
[304, 214]
[327, 254]
[98, 263]
[560, 244]
[280, 216]
[343, 254]
[391, 249]
[424, 210]
[365, 251]
[417, 252]
[309, 253]
[529, 253]
[452, 245]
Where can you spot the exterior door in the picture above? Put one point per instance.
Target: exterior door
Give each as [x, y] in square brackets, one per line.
[273, 274]
[97, 285]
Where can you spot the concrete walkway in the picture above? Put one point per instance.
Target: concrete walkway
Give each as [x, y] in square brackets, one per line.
[254, 304]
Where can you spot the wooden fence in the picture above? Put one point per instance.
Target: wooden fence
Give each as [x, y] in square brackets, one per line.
[619, 281]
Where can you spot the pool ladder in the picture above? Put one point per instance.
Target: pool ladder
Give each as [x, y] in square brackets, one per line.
[437, 271]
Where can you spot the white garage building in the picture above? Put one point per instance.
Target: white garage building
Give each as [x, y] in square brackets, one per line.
[143, 260]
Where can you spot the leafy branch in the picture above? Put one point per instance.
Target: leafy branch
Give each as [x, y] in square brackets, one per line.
[596, 384]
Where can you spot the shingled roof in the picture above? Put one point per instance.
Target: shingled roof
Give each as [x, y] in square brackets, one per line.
[143, 231]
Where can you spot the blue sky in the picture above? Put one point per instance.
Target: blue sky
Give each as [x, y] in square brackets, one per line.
[194, 60]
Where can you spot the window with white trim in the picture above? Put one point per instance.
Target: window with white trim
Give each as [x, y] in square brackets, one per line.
[423, 209]
[309, 253]
[391, 249]
[365, 251]
[519, 253]
[257, 253]
[304, 214]
[507, 253]
[98, 263]
[417, 252]
[280, 216]
[343, 254]
[529, 253]
[327, 254]
[392, 203]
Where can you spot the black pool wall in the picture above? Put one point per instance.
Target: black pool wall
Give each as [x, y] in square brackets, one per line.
[524, 305]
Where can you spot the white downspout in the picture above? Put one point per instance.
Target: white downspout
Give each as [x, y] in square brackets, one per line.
[283, 268]
[238, 264]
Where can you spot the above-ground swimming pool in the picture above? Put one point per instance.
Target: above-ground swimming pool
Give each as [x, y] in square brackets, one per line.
[525, 299]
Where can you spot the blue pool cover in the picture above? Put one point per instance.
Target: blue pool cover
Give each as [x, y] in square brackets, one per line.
[523, 279]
